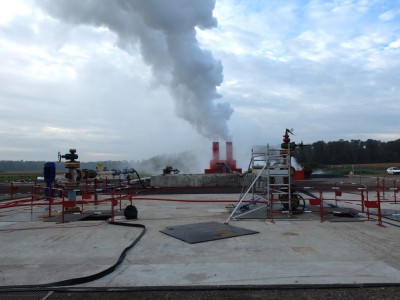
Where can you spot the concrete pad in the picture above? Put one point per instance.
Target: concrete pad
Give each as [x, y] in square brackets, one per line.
[253, 273]
[284, 252]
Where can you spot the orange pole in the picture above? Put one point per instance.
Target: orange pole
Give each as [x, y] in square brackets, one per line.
[379, 212]
[112, 207]
[62, 210]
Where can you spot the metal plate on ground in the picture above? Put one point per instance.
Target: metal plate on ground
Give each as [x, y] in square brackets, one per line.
[331, 214]
[28, 295]
[67, 218]
[390, 214]
[262, 212]
[90, 215]
[204, 232]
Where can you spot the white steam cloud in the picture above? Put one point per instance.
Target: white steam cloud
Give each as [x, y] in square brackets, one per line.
[166, 33]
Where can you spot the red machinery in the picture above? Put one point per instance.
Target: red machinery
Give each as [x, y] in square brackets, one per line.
[218, 165]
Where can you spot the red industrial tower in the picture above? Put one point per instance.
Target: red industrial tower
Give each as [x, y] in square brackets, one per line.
[218, 165]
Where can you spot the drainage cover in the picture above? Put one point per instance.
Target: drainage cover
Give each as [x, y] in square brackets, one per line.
[204, 232]
[25, 295]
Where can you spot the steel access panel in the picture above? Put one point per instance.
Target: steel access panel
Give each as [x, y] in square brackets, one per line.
[204, 232]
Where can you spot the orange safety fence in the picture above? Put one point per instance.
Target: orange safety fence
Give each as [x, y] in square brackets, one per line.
[359, 196]
[320, 203]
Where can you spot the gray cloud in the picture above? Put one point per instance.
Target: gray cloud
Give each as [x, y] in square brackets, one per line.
[105, 81]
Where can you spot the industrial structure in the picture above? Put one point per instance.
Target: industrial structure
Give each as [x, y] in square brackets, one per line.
[292, 232]
[218, 165]
[269, 181]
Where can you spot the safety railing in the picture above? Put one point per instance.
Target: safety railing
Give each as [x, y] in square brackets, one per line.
[388, 189]
[55, 200]
[350, 200]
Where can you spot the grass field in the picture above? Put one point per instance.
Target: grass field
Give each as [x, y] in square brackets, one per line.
[20, 175]
[361, 168]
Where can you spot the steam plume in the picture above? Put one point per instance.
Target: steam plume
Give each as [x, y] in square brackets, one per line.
[165, 31]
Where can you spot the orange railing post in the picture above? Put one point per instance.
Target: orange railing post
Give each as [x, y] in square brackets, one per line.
[379, 212]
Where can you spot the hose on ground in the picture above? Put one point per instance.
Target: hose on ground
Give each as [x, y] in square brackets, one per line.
[89, 278]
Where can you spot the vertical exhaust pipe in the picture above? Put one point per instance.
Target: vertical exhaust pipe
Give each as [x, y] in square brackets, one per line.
[229, 152]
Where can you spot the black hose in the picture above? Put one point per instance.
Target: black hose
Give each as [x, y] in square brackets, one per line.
[85, 279]
[308, 193]
[140, 180]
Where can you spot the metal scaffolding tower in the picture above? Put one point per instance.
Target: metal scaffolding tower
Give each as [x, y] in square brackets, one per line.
[268, 182]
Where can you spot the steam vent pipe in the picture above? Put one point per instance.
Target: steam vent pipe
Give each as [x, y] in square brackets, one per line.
[215, 150]
[229, 152]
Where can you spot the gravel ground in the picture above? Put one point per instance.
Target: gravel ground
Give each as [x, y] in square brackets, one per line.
[326, 293]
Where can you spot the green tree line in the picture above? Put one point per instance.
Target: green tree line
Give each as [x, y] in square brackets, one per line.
[184, 162]
[349, 152]
[318, 153]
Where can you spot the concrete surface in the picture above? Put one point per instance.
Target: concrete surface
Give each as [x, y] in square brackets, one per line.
[289, 252]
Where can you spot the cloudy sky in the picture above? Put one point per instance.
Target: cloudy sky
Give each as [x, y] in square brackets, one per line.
[128, 80]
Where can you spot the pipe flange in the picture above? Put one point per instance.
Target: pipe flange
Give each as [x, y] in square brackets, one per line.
[72, 164]
[72, 184]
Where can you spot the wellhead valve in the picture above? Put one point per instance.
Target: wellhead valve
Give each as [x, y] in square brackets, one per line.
[72, 165]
